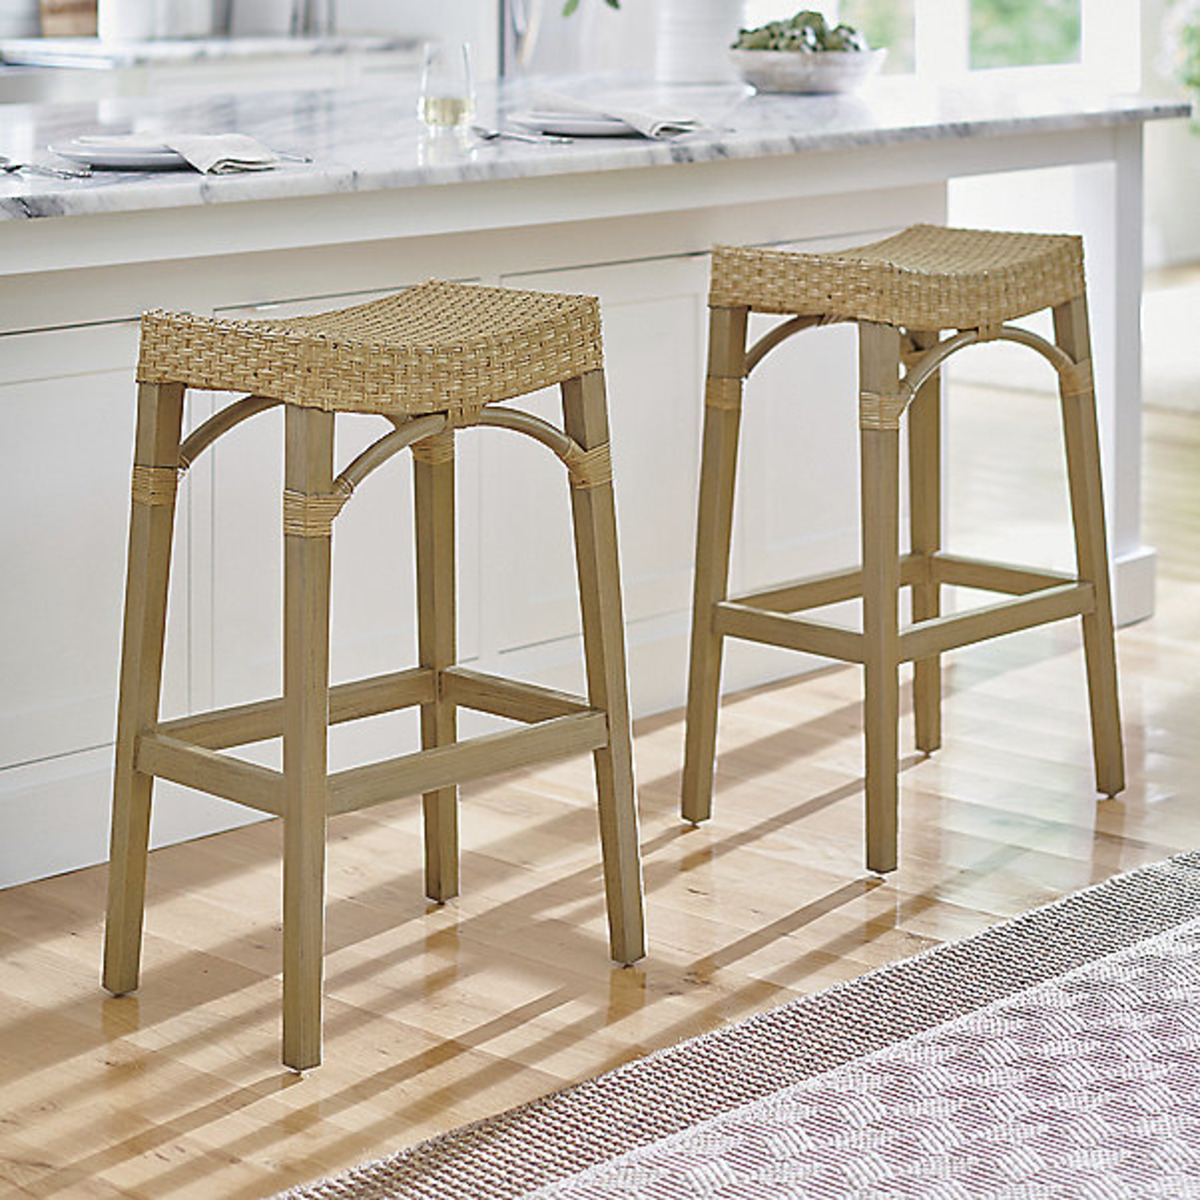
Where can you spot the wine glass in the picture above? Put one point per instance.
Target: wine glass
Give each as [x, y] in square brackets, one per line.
[447, 91]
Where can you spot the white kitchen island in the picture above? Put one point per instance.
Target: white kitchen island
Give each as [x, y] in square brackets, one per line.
[379, 208]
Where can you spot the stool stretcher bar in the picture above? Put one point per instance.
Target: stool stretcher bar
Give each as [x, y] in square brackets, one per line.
[218, 774]
[952, 570]
[793, 633]
[559, 725]
[263, 719]
[815, 591]
[506, 697]
[462, 762]
[920, 640]
[994, 620]
[956, 570]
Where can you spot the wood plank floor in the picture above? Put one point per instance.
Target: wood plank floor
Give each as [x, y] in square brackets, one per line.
[437, 1016]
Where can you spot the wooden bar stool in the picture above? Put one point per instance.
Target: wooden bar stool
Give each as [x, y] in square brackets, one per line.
[430, 360]
[902, 293]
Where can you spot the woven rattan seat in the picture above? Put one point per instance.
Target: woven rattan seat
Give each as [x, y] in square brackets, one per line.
[427, 364]
[925, 277]
[437, 347]
[903, 293]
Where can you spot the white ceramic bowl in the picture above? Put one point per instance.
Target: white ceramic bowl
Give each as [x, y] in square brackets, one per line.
[795, 71]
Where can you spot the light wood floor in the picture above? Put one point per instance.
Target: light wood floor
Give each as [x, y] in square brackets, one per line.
[439, 1016]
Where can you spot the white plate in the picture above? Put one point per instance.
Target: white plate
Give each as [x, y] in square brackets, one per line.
[117, 156]
[574, 124]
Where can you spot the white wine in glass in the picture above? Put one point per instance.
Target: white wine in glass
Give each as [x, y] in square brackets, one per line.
[442, 111]
[447, 92]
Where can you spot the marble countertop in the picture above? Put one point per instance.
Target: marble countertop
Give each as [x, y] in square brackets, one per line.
[92, 52]
[370, 140]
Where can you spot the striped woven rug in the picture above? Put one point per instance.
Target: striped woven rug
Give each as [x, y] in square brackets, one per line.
[1057, 1054]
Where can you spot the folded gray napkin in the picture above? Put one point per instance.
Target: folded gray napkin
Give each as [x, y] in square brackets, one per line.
[222, 153]
[211, 153]
[651, 124]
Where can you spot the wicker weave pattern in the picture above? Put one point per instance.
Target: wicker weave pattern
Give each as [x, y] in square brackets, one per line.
[927, 277]
[438, 347]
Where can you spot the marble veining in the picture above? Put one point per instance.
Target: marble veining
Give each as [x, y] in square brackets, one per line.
[363, 140]
[159, 51]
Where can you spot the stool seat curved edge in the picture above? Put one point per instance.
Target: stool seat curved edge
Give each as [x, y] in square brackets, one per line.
[437, 347]
[925, 277]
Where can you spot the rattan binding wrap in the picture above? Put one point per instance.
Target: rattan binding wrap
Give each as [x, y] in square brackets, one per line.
[313, 516]
[723, 392]
[1077, 380]
[881, 412]
[437, 347]
[434, 450]
[928, 277]
[590, 468]
[154, 486]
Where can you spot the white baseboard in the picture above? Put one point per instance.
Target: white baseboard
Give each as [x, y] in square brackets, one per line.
[1133, 585]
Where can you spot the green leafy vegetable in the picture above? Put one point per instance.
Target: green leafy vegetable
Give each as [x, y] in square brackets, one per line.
[572, 5]
[805, 33]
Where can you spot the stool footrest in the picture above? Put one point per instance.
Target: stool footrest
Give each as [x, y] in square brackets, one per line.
[428, 770]
[956, 570]
[263, 719]
[793, 633]
[507, 697]
[218, 774]
[816, 591]
[921, 640]
[953, 570]
[939, 634]
[360, 787]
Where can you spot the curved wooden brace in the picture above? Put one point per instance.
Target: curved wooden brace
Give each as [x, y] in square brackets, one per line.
[377, 453]
[778, 335]
[312, 515]
[933, 358]
[541, 431]
[925, 364]
[587, 468]
[220, 423]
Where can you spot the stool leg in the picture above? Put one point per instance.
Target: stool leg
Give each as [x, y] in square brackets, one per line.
[151, 522]
[585, 419]
[309, 471]
[433, 502]
[925, 536]
[1091, 549]
[879, 358]
[714, 528]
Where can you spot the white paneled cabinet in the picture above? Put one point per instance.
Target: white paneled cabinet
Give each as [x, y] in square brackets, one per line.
[68, 397]
[654, 319]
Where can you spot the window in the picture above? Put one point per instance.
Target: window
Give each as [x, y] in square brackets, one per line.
[1023, 33]
[1076, 41]
[890, 23]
